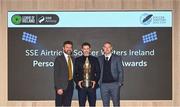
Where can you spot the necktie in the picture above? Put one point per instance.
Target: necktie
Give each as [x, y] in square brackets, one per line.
[69, 68]
[106, 58]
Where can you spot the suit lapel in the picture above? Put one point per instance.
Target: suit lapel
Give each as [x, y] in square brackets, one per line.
[65, 62]
[101, 65]
[112, 61]
[102, 62]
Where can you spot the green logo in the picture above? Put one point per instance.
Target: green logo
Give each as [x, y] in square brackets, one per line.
[16, 19]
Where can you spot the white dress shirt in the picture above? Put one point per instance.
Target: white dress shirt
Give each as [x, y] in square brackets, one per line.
[108, 55]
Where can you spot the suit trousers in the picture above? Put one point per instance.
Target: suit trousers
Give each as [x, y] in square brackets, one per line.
[110, 91]
[87, 93]
[66, 98]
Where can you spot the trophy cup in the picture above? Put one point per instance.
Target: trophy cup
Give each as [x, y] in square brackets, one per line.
[87, 74]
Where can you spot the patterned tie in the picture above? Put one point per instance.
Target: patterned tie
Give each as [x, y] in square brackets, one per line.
[69, 68]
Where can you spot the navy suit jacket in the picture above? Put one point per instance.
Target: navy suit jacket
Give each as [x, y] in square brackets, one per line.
[95, 69]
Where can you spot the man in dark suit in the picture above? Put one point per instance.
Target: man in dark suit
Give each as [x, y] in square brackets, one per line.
[63, 76]
[111, 76]
[83, 92]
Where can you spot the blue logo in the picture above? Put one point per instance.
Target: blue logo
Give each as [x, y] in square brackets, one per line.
[30, 38]
[146, 19]
[149, 37]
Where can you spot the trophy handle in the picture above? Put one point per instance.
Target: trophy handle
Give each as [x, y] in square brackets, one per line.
[80, 84]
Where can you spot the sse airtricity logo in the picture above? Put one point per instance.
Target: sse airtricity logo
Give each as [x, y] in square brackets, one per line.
[146, 19]
[16, 19]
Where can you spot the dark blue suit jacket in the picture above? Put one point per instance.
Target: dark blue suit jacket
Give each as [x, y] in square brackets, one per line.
[78, 71]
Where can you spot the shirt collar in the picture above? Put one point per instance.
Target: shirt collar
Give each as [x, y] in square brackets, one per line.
[65, 54]
[108, 55]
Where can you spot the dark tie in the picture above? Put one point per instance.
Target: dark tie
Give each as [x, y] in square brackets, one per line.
[106, 58]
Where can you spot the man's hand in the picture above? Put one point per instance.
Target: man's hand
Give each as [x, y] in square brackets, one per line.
[94, 83]
[79, 83]
[60, 91]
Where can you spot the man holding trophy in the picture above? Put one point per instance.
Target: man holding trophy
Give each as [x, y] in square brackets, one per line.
[86, 76]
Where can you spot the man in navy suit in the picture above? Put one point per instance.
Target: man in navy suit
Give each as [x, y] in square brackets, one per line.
[86, 93]
[63, 76]
[111, 78]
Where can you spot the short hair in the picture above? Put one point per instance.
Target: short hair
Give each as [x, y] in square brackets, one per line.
[85, 44]
[107, 42]
[67, 42]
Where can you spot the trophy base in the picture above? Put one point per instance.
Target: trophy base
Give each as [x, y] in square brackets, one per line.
[87, 84]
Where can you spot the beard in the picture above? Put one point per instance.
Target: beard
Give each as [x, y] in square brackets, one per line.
[69, 52]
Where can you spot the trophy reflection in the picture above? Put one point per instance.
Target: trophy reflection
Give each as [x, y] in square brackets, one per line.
[87, 74]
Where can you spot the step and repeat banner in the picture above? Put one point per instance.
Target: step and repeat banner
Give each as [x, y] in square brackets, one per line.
[142, 38]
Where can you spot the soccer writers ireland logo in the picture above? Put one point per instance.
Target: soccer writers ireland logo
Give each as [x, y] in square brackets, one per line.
[146, 19]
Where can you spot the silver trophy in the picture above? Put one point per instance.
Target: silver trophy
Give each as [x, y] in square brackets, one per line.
[87, 74]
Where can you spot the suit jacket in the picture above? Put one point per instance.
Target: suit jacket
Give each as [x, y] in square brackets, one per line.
[95, 69]
[116, 68]
[61, 72]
